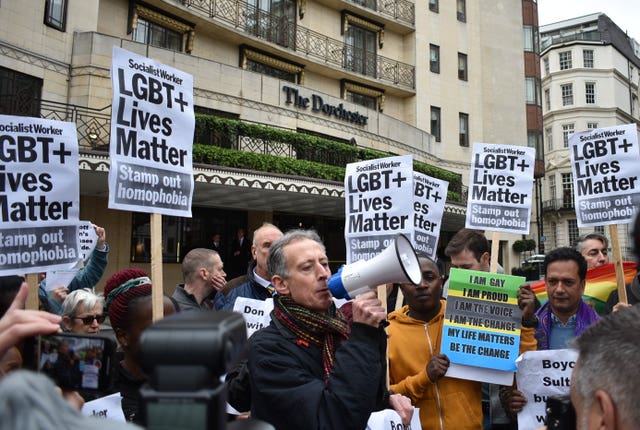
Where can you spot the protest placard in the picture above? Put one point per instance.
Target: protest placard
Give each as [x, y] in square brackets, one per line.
[388, 419]
[500, 188]
[256, 313]
[378, 205]
[39, 195]
[88, 239]
[604, 163]
[430, 196]
[482, 320]
[108, 407]
[542, 374]
[152, 125]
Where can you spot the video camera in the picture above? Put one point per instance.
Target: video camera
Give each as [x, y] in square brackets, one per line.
[184, 357]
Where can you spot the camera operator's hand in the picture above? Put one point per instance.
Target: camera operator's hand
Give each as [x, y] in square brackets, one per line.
[19, 323]
[402, 405]
[437, 367]
[367, 309]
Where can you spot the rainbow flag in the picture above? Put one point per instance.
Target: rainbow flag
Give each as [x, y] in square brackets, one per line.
[601, 281]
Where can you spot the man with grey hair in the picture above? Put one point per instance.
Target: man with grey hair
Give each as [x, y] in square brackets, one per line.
[315, 366]
[604, 383]
[594, 247]
[203, 274]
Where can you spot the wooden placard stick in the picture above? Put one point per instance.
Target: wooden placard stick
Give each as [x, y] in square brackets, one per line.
[617, 262]
[157, 293]
[495, 249]
[33, 301]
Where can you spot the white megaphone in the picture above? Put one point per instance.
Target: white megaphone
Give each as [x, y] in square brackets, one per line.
[397, 263]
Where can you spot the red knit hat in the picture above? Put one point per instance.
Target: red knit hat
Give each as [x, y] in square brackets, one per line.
[120, 289]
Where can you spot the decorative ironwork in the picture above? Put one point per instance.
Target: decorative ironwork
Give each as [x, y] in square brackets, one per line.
[286, 33]
[399, 10]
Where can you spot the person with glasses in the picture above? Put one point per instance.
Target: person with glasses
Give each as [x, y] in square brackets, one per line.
[82, 312]
[418, 370]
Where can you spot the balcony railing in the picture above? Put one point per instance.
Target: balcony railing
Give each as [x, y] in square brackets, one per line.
[284, 31]
[557, 205]
[400, 10]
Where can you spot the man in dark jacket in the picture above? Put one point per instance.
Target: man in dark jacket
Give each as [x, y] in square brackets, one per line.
[311, 368]
[256, 284]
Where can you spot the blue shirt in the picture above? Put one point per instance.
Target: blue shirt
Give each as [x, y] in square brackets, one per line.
[561, 334]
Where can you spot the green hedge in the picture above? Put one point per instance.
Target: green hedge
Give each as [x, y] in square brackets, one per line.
[308, 149]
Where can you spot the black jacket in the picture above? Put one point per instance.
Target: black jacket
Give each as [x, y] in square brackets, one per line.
[287, 380]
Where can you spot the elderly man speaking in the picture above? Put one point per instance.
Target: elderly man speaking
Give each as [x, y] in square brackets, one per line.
[314, 366]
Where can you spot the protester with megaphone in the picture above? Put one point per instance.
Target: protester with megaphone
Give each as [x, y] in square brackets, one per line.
[316, 366]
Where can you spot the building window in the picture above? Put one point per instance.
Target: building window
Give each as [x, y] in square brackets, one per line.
[599, 229]
[55, 14]
[267, 64]
[369, 97]
[180, 235]
[567, 190]
[462, 67]
[572, 230]
[547, 99]
[435, 122]
[587, 58]
[567, 94]
[461, 9]
[361, 39]
[434, 5]
[534, 140]
[464, 129]
[156, 35]
[549, 135]
[554, 235]
[565, 60]
[274, 21]
[552, 188]
[20, 94]
[153, 28]
[528, 38]
[545, 62]
[590, 93]
[567, 130]
[434, 58]
[592, 125]
[532, 91]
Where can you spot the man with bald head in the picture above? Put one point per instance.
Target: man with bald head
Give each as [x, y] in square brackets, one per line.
[256, 283]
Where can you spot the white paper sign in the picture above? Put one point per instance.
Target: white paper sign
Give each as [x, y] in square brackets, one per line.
[59, 278]
[39, 195]
[109, 407]
[429, 198]
[378, 205]
[152, 125]
[256, 313]
[500, 188]
[605, 164]
[388, 419]
[542, 374]
[88, 239]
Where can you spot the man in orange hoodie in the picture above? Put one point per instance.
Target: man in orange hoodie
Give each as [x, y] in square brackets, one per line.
[417, 368]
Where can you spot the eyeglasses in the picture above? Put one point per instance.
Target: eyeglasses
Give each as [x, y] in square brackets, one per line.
[89, 319]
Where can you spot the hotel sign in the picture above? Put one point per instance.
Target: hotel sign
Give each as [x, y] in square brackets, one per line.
[317, 104]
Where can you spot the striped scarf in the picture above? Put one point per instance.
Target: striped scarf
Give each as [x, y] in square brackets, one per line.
[324, 331]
